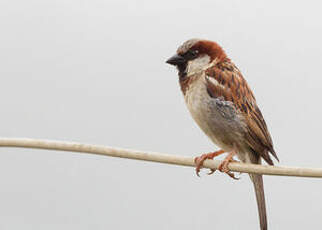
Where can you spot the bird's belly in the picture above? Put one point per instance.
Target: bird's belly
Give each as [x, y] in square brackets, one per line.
[218, 120]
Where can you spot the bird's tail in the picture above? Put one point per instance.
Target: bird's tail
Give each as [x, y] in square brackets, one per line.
[257, 180]
[260, 197]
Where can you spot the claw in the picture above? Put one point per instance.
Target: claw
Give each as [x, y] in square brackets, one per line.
[223, 167]
[232, 175]
[199, 161]
[211, 171]
[198, 165]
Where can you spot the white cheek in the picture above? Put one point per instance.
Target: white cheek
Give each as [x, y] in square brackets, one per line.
[198, 64]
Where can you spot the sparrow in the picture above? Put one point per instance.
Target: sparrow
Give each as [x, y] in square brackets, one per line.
[223, 105]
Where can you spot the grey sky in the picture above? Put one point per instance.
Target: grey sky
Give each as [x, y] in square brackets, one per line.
[94, 71]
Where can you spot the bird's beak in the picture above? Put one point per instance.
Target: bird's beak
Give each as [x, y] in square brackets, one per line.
[176, 60]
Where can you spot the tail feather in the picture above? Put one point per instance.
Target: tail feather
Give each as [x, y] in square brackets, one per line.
[257, 180]
[260, 197]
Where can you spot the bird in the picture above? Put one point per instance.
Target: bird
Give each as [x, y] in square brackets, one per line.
[222, 104]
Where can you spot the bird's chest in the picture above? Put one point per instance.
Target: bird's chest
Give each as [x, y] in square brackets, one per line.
[201, 107]
[218, 119]
[197, 101]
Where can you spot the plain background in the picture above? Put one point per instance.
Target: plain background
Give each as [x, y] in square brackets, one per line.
[94, 72]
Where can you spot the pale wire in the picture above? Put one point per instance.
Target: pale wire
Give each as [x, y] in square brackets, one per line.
[156, 157]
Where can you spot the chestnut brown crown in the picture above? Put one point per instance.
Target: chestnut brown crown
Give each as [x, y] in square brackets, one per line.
[195, 48]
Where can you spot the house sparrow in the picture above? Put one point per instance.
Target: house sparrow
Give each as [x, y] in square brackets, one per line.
[222, 104]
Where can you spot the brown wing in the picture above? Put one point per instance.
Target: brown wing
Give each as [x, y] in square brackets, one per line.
[225, 80]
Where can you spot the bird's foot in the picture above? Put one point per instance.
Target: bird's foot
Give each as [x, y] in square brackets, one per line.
[223, 167]
[199, 160]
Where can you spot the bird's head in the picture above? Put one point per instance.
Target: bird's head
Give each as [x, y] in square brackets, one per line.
[196, 55]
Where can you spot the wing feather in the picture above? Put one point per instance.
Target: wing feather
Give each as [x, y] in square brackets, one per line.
[226, 81]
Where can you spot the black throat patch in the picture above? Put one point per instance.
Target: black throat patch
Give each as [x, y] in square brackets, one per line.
[182, 71]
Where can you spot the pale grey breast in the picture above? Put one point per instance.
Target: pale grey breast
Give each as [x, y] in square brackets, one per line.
[218, 118]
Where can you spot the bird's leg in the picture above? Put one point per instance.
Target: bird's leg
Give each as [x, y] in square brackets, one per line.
[223, 167]
[199, 160]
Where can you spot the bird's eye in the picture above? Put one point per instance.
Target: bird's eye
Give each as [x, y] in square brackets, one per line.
[191, 54]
